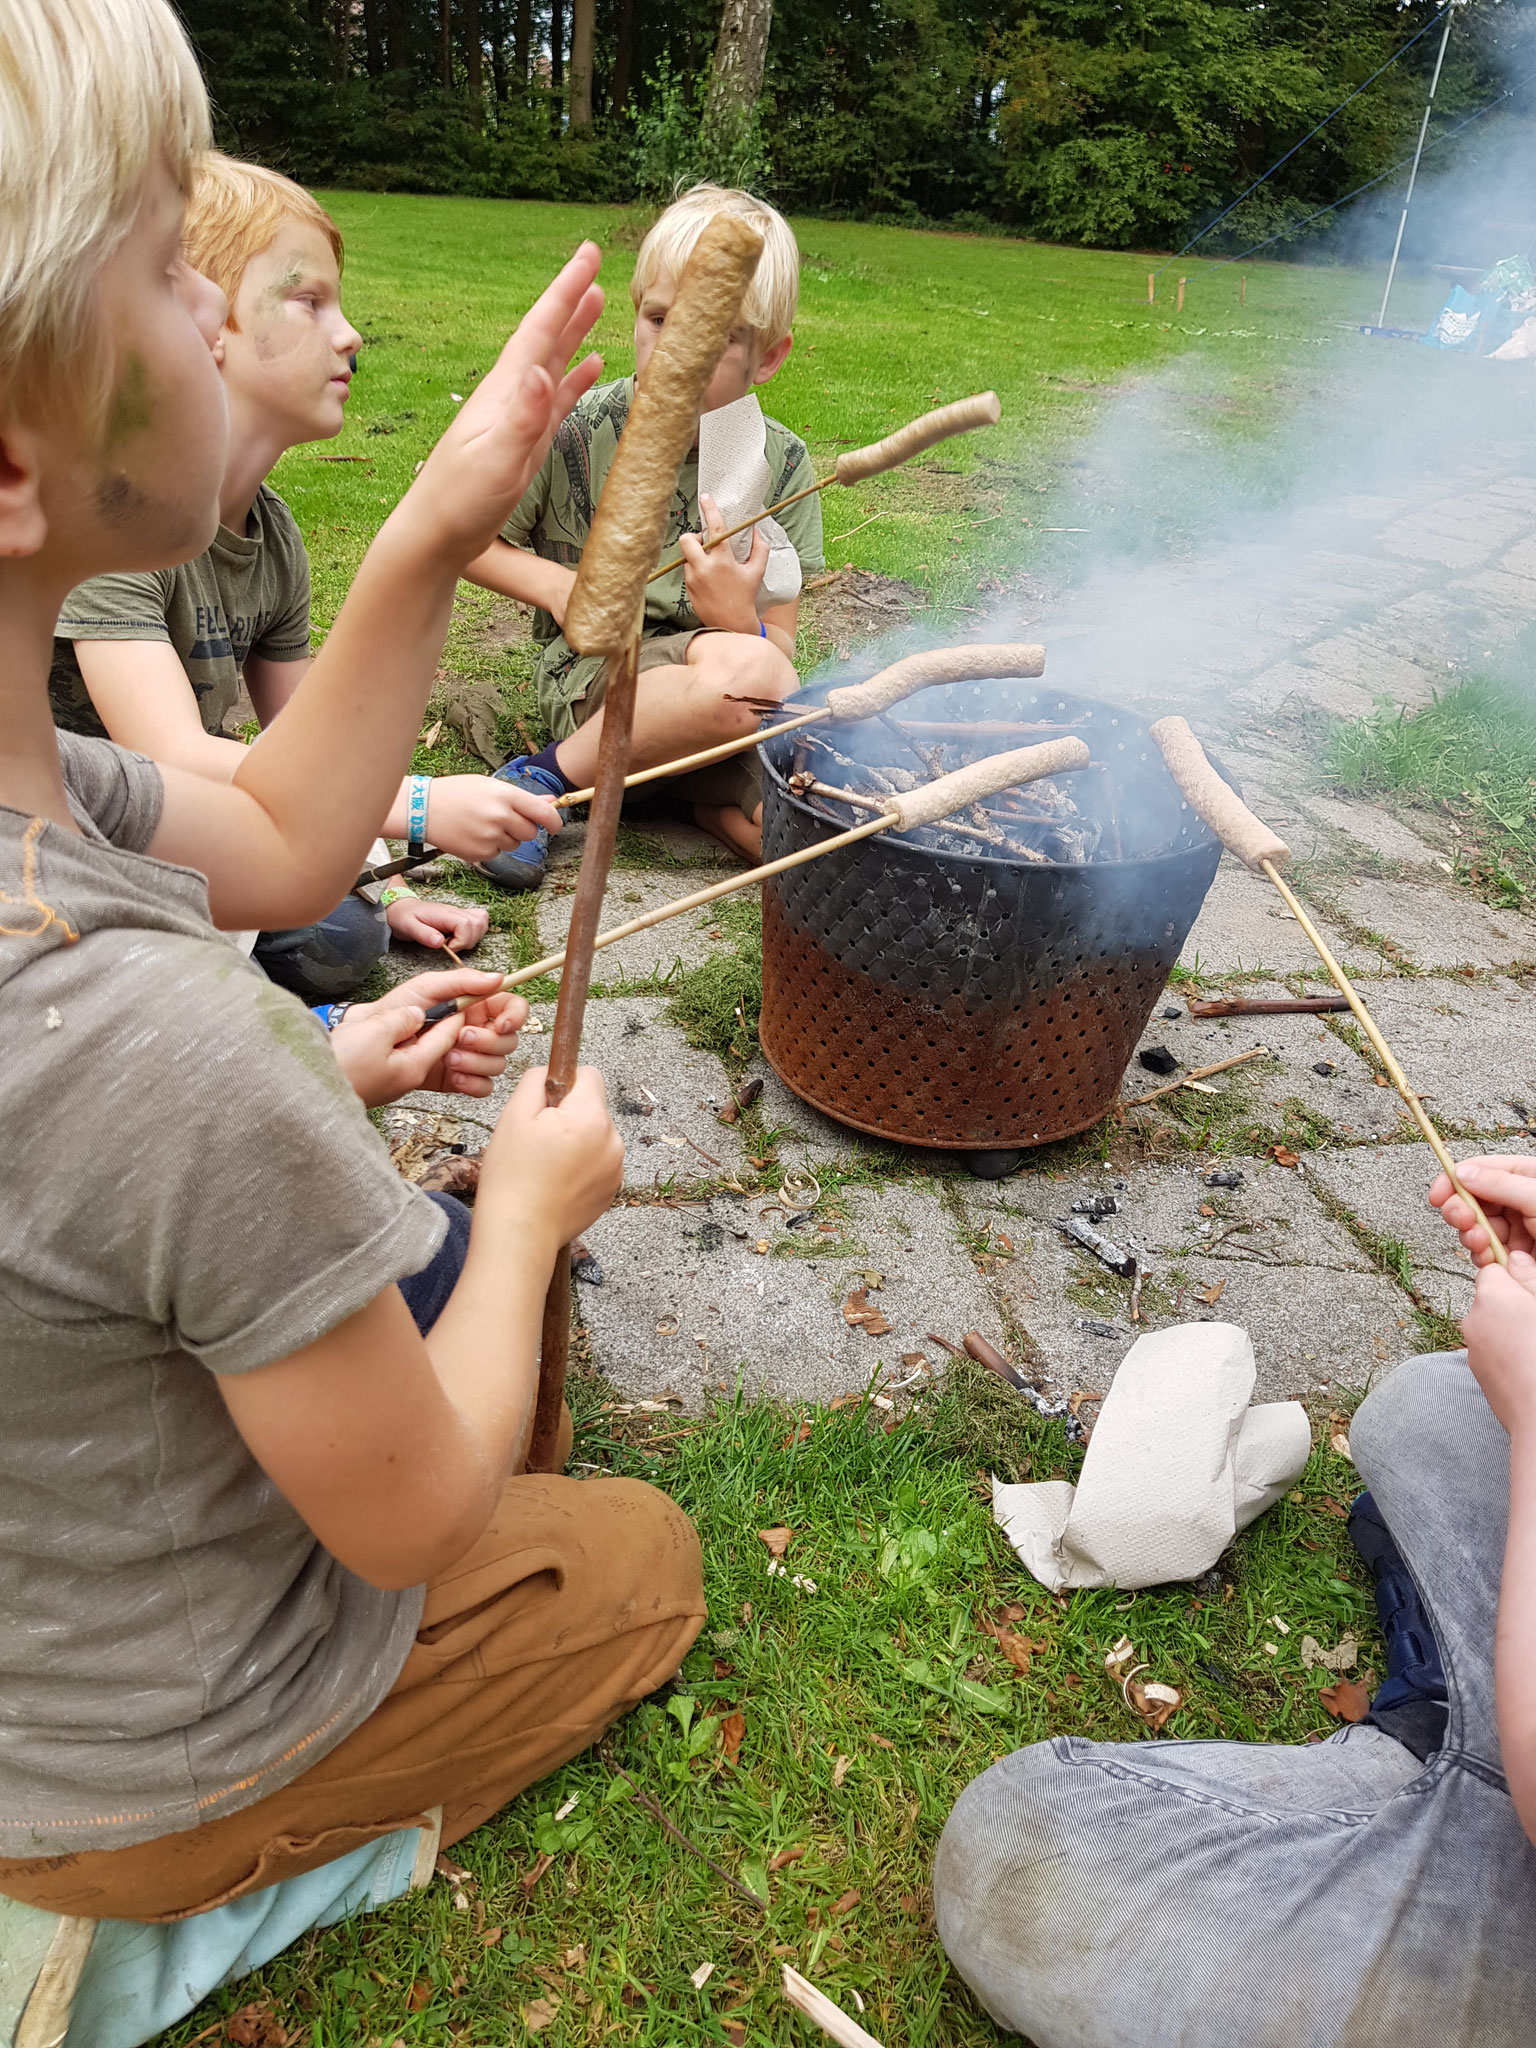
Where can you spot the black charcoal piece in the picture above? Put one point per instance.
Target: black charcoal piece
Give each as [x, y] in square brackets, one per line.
[1157, 1059]
[1326, 1068]
[1226, 1177]
[1172, 1015]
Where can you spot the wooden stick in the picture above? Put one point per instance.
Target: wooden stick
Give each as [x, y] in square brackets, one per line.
[1197, 1074]
[1268, 1006]
[565, 1039]
[831, 2018]
[703, 758]
[1388, 1059]
[658, 1813]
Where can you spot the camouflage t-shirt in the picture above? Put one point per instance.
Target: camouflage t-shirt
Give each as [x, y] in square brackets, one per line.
[555, 517]
[247, 594]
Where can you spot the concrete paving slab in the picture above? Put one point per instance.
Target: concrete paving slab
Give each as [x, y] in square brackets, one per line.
[1467, 1046]
[1316, 1311]
[1244, 927]
[1376, 830]
[680, 943]
[687, 1302]
[1290, 685]
[1439, 926]
[1387, 1189]
[1520, 560]
[803, 1135]
[1496, 598]
[1357, 662]
[1449, 546]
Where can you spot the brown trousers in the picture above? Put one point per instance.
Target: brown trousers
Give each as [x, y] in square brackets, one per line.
[580, 1598]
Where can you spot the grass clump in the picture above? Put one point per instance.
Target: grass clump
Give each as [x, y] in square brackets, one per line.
[1471, 753]
[718, 1003]
[865, 1708]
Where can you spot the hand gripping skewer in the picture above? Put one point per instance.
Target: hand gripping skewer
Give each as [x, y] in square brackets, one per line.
[1263, 850]
[604, 616]
[975, 662]
[963, 417]
[914, 807]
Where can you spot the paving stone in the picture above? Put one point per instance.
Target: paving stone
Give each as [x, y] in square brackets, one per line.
[1468, 1046]
[1347, 1099]
[1521, 558]
[1355, 661]
[681, 942]
[686, 1302]
[1451, 546]
[1294, 1279]
[804, 1135]
[1289, 684]
[1244, 926]
[1439, 926]
[1387, 1189]
[1496, 602]
[1374, 829]
[665, 1094]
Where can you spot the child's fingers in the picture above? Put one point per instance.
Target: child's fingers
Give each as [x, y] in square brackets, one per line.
[714, 525]
[423, 1053]
[1496, 1184]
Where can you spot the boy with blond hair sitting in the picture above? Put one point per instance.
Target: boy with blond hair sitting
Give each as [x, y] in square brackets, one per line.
[155, 659]
[717, 637]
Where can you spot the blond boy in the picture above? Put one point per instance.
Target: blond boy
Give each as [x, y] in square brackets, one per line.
[155, 660]
[711, 640]
[275, 1583]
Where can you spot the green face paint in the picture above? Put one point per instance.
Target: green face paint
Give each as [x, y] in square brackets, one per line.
[131, 411]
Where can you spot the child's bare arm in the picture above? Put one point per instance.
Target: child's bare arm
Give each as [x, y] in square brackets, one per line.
[144, 699]
[288, 836]
[394, 1448]
[519, 573]
[1501, 1350]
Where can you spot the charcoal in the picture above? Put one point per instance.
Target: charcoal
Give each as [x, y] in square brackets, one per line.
[1094, 1241]
[1097, 1207]
[1172, 1014]
[1157, 1059]
[1095, 1328]
[1226, 1177]
[1326, 1068]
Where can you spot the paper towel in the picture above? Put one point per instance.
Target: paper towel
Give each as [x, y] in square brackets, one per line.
[733, 470]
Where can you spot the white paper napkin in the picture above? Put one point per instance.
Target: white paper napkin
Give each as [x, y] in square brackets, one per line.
[733, 470]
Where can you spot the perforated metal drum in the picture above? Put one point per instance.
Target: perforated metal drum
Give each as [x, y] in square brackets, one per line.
[976, 1002]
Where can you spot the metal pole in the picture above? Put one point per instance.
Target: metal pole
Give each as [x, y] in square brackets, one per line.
[1381, 318]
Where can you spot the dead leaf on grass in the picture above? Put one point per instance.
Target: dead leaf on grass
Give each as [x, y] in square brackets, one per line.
[1327, 1505]
[859, 1314]
[530, 1878]
[539, 2012]
[1339, 1444]
[840, 1771]
[420, 1995]
[722, 1669]
[777, 1540]
[732, 1729]
[734, 2033]
[576, 1958]
[1155, 1703]
[256, 2026]
[784, 1857]
[1211, 1295]
[843, 1905]
[1284, 1156]
[1347, 1700]
[882, 1742]
[491, 1937]
[845, 1400]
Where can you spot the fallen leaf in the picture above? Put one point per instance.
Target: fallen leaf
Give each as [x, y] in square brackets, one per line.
[1342, 1657]
[576, 1958]
[1211, 1295]
[797, 1436]
[256, 2026]
[1347, 1700]
[722, 1669]
[845, 1400]
[1284, 1156]
[1339, 1443]
[1154, 1703]
[732, 1729]
[701, 1976]
[491, 1937]
[734, 2033]
[1206, 1209]
[531, 1877]
[420, 1996]
[840, 1771]
[784, 1857]
[913, 1359]
[882, 1742]
[914, 1903]
[777, 1540]
[1327, 1505]
[538, 2013]
[729, 1114]
[843, 1905]
[858, 1314]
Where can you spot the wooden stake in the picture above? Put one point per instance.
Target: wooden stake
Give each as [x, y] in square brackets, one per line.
[1151, 287]
[1182, 282]
[1388, 1059]
[565, 1039]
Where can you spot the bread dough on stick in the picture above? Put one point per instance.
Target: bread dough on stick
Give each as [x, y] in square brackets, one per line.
[1221, 807]
[631, 516]
[934, 800]
[971, 664]
[960, 418]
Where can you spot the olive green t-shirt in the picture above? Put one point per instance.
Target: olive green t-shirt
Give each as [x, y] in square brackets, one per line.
[191, 1190]
[247, 594]
[555, 516]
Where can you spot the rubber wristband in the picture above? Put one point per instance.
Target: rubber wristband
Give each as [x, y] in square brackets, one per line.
[330, 1014]
[762, 629]
[417, 787]
[394, 893]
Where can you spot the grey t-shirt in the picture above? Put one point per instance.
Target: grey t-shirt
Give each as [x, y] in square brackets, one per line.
[190, 1189]
[246, 594]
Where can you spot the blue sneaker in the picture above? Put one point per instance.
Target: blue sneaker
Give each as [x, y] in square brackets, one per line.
[1413, 1704]
[522, 867]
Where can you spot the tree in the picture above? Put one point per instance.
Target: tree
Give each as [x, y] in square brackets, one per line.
[582, 21]
[741, 53]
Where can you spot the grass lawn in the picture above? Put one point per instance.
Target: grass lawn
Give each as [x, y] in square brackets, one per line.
[841, 1724]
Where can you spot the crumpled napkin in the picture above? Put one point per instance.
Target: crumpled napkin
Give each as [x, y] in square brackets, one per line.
[733, 470]
[1178, 1462]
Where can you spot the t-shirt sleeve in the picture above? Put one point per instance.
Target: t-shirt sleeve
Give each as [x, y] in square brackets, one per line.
[285, 601]
[801, 522]
[122, 793]
[531, 507]
[237, 1196]
[125, 607]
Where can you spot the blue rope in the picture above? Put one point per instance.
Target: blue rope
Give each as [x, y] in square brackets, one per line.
[1445, 135]
[1406, 47]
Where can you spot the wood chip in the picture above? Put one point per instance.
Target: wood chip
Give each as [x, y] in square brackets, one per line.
[701, 1976]
[1211, 1295]
[840, 1771]
[859, 1314]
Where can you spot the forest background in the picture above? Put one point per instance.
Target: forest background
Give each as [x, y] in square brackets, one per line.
[1110, 125]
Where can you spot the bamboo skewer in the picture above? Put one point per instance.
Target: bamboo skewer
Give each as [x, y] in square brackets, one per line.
[1261, 849]
[977, 661]
[922, 806]
[962, 417]
[1196, 1074]
[838, 2025]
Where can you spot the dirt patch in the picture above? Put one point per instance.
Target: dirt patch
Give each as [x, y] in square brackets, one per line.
[847, 604]
[509, 625]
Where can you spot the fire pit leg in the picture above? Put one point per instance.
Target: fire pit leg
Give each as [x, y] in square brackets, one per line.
[992, 1165]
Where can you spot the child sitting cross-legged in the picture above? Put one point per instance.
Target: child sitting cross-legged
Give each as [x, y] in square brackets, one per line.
[279, 1597]
[719, 633]
[155, 658]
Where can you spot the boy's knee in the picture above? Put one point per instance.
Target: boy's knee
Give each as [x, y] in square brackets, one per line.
[646, 1551]
[744, 666]
[1412, 1410]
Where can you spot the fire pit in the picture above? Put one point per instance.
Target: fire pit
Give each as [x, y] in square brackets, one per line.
[981, 983]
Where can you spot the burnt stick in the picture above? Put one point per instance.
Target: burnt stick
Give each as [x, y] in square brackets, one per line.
[1261, 849]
